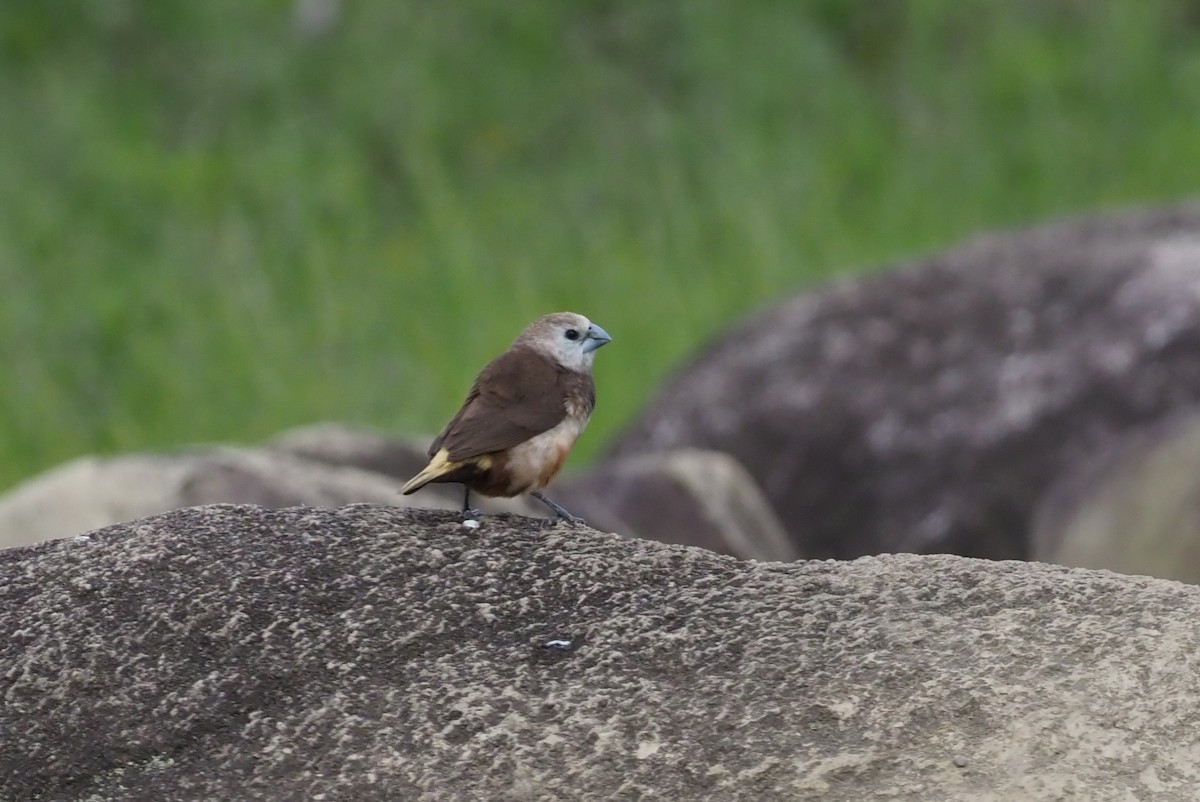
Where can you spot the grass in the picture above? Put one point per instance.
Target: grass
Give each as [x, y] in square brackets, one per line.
[219, 223]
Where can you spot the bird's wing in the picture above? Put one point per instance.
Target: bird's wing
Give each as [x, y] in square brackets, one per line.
[518, 395]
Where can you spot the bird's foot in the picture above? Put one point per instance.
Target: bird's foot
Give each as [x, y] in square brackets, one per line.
[555, 520]
[469, 513]
[470, 518]
[560, 514]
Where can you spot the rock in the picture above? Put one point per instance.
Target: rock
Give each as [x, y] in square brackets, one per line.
[397, 456]
[356, 447]
[689, 496]
[400, 457]
[1134, 508]
[699, 498]
[375, 653]
[926, 408]
[693, 497]
[91, 492]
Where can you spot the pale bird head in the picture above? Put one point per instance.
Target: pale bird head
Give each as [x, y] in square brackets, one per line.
[569, 339]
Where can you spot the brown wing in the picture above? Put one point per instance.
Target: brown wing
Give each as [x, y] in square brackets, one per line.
[518, 395]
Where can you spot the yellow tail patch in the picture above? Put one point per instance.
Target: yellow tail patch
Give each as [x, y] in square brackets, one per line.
[440, 465]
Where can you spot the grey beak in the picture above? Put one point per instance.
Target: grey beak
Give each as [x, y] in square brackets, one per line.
[595, 338]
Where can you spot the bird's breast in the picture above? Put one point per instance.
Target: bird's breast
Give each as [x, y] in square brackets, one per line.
[579, 410]
[533, 464]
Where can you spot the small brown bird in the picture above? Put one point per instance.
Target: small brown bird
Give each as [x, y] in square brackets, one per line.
[527, 406]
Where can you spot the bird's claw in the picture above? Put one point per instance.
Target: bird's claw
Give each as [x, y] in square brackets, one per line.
[471, 514]
[554, 520]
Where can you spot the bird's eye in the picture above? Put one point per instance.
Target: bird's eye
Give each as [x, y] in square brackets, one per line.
[572, 334]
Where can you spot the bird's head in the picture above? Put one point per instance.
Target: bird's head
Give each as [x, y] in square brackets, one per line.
[569, 339]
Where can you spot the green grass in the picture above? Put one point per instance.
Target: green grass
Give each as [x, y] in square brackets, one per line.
[216, 226]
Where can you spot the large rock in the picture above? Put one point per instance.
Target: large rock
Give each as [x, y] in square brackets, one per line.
[1134, 508]
[698, 498]
[688, 496]
[925, 409]
[376, 653]
[398, 456]
[91, 492]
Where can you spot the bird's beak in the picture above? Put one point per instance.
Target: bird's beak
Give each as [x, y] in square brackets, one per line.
[595, 338]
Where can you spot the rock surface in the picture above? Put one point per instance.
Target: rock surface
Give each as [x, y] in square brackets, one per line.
[91, 492]
[1134, 509]
[400, 457]
[925, 408]
[688, 496]
[375, 653]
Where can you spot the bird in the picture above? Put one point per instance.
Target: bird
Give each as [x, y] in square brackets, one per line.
[521, 416]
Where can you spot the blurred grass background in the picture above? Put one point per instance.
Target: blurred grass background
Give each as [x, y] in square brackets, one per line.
[221, 219]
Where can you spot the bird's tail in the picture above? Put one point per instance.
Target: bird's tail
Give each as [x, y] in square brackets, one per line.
[440, 465]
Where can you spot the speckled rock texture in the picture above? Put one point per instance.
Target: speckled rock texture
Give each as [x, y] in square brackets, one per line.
[375, 653]
[924, 408]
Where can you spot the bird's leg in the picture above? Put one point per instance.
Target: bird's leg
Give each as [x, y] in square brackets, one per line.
[559, 512]
[467, 511]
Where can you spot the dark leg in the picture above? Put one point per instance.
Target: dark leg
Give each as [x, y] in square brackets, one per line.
[559, 512]
[466, 510]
